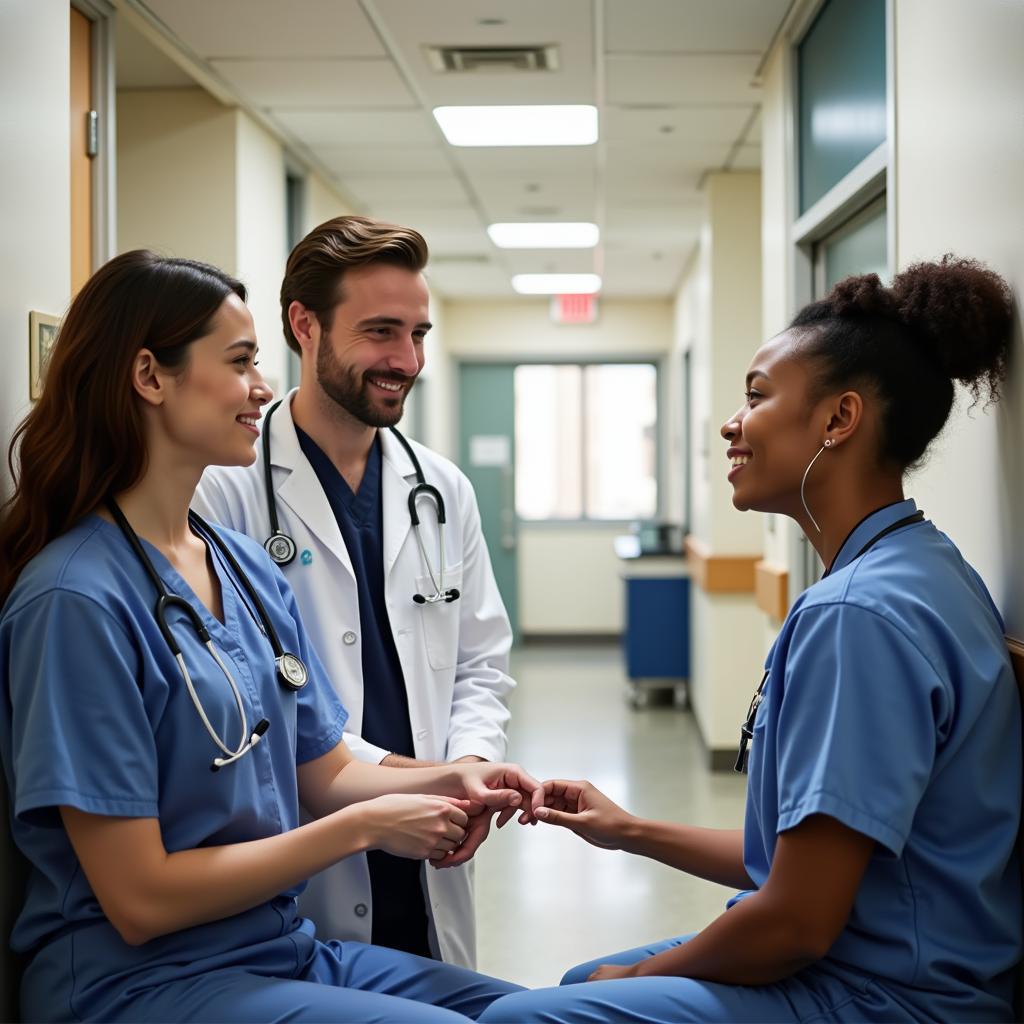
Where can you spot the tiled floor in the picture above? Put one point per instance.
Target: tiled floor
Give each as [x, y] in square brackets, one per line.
[546, 900]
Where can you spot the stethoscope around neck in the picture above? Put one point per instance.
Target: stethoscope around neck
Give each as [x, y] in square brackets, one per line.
[282, 549]
[291, 671]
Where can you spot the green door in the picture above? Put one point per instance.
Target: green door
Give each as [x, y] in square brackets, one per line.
[487, 456]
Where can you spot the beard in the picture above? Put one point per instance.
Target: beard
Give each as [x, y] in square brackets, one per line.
[352, 391]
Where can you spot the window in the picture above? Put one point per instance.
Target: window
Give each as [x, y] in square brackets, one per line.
[585, 441]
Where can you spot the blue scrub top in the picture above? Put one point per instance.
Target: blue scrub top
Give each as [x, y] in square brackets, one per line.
[890, 705]
[94, 714]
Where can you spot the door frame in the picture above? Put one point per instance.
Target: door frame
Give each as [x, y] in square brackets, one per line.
[104, 97]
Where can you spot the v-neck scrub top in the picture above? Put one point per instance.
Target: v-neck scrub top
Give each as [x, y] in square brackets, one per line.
[891, 706]
[94, 714]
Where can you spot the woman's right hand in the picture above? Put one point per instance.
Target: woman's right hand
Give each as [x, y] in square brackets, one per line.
[414, 826]
[585, 810]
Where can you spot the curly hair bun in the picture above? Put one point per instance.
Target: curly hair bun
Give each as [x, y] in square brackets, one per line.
[961, 313]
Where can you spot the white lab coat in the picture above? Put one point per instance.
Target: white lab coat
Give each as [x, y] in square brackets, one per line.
[454, 656]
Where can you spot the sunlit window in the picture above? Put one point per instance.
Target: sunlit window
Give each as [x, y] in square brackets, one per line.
[585, 441]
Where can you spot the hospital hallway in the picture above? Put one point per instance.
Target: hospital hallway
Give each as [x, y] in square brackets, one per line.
[546, 900]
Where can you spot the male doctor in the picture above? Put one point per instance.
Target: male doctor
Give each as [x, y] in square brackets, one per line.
[411, 628]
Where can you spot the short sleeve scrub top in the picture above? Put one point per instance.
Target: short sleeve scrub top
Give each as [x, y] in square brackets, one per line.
[890, 705]
[95, 715]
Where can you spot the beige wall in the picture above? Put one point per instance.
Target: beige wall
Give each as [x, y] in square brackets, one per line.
[261, 244]
[569, 580]
[35, 182]
[718, 320]
[176, 175]
[35, 252]
[960, 188]
[205, 181]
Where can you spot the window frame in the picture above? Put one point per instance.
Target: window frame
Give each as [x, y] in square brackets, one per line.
[585, 521]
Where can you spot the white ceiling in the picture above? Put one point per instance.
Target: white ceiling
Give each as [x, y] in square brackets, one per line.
[350, 80]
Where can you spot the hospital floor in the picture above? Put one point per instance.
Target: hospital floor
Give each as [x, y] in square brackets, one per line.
[546, 900]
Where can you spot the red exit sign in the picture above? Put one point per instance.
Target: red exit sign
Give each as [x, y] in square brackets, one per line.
[574, 309]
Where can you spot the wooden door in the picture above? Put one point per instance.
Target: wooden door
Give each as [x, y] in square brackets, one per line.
[81, 162]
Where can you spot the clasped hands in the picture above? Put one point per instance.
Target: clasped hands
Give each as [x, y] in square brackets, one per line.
[505, 790]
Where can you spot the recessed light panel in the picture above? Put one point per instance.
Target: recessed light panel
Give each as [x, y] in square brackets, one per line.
[556, 284]
[546, 125]
[544, 236]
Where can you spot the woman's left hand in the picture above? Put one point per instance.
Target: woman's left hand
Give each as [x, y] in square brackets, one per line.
[612, 972]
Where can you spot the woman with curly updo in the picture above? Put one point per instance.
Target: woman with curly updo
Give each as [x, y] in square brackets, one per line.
[877, 862]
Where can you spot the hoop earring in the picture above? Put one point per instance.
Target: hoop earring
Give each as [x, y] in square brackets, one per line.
[827, 444]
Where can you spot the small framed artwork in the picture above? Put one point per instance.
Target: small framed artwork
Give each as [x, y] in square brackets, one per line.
[42, 333]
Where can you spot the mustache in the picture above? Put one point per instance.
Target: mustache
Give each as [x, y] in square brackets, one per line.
[391, 376]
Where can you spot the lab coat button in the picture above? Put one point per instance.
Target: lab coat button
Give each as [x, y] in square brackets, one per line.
[361, 910]
[349, 638]
[421, 734]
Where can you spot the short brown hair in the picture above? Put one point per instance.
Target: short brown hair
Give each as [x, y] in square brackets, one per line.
[318, 263]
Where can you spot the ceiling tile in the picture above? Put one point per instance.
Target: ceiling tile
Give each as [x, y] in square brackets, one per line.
[359, 127]
[682, 79]
[378, 193]
[273, 84]
[650, 26]
[413, 25]
[270, 28]
[384, 161]
[658, 123]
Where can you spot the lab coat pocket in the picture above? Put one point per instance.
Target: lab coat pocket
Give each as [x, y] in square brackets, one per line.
[441, 618]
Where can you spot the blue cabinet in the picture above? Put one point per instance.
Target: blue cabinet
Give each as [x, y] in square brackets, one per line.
[658, 628]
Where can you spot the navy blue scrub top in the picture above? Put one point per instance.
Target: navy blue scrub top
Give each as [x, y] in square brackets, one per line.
[361, 521]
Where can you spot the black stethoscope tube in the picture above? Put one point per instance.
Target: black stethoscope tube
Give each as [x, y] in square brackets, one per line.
[291, 672]
[282, 549]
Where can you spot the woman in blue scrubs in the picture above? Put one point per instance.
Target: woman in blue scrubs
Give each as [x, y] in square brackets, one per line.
[877, 865]
[159, 889]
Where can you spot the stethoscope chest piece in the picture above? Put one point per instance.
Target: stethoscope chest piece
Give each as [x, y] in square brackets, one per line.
[291, 671]
[280, 547]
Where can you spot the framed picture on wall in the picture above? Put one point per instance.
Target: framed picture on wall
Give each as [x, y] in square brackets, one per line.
[42, 333]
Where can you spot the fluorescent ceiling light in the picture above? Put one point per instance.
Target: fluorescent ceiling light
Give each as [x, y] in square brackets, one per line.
[544, 236]
[519, 126]
[556, 284]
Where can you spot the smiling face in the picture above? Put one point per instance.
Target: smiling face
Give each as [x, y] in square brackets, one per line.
[368, 361]
[212, 408]
[776, 433]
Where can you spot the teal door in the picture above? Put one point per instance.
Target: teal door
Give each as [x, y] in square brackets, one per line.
[487, 457]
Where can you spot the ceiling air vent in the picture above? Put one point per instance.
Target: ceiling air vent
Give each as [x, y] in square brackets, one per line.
[492, 58]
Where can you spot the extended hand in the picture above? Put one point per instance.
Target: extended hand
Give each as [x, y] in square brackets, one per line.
[415, 826]
[585, 810]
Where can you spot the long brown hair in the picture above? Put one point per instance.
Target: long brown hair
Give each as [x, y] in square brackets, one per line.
[84, 439]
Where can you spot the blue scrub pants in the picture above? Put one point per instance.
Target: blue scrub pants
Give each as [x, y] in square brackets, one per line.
[682, 1000]
[339, 981]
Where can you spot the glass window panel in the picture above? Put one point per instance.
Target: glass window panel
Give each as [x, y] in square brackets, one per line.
[841, 67]
[548, 418]
[857, 248]
[620, 407]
